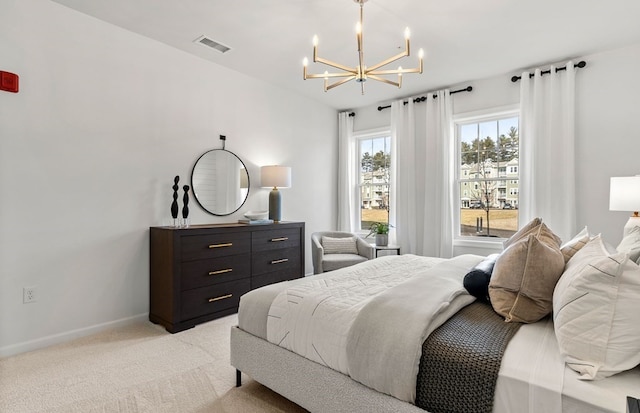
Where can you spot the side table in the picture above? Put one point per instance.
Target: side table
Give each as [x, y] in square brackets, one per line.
[378, 248]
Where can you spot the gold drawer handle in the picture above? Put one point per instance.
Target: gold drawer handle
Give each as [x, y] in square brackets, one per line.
[220, 271]
[279, 239]
[228, 244]
[222, 297]
[280, 261]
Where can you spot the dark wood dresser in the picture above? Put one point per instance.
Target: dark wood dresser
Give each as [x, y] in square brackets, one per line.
[199, 273]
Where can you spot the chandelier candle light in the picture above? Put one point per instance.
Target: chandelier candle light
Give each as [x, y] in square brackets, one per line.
[361, 72]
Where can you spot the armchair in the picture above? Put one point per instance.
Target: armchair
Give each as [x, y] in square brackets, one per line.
[324, 261]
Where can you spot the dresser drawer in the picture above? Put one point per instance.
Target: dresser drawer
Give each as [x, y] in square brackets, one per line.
[196, 247]
[219, 297]
[275, 239]
[200, 273]
[277, 260]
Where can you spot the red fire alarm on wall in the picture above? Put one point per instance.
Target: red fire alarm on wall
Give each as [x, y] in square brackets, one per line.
[9, 82]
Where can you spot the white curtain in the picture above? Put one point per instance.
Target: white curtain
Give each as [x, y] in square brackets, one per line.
[421, 198]
[348, 218]
[547, 140]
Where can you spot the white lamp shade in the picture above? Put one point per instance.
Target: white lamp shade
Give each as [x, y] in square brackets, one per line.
[275, 176]
[625, 193]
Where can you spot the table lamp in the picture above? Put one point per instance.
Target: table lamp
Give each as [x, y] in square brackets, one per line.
[275, 176]
[624, 195]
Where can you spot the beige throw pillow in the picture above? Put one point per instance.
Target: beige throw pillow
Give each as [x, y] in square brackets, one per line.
[345, 245]
[596, 305]
[574, 245]
[531, 227]
[524, 276]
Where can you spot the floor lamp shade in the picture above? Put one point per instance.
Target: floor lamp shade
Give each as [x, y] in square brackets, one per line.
[624, 195]
[275, 176]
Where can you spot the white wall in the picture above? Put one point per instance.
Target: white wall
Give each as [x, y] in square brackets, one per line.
[88, 150]
[606, 132]
[607, 136]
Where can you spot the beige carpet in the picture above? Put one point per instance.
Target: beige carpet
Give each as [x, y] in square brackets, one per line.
[138, 368]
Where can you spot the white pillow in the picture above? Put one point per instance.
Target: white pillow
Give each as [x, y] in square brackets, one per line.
[596, 304]
[631, 243]
[345, 245]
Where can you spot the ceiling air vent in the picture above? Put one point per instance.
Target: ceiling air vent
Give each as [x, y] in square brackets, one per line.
[205, 41]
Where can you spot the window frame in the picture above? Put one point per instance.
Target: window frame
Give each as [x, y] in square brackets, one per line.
[358, 136]
[485, 115]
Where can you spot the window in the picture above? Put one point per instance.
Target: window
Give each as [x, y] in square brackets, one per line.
[487, 175]
[374, 160]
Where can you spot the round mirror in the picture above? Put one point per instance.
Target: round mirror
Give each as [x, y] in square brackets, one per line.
[220, 182]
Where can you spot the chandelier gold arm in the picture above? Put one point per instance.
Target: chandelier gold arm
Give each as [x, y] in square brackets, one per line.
[328, 87]
[327, 75]
[395, 71]
[389, 60]
[387, 81]
[333, 64]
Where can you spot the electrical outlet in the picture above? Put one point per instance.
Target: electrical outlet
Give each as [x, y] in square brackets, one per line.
[29, 295]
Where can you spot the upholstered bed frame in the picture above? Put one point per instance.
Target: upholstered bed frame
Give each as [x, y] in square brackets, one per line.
[305, 382]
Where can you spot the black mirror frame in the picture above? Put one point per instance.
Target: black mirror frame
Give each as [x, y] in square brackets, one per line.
[193, 189]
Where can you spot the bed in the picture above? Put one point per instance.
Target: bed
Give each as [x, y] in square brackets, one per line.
[323, 368]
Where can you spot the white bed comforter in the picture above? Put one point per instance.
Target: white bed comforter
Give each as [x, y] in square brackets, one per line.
[369, 321]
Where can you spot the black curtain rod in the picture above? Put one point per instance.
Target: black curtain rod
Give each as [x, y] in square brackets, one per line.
[423, 98]
[580, 65]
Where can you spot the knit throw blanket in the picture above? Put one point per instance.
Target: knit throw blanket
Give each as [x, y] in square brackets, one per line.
[461, 359]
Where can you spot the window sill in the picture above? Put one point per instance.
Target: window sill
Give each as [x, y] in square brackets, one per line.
[476, 243]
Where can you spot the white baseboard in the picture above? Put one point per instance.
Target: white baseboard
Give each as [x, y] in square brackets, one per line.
[51, 340]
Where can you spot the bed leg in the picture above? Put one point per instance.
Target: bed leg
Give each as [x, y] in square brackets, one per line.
[238, 378]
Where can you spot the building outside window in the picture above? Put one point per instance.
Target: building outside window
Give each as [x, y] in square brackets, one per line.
[374, 160]
[487, 175]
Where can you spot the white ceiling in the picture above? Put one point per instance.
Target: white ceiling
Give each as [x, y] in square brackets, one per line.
[463, 39]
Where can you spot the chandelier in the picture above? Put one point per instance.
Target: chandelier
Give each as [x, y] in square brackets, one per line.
[361, 72]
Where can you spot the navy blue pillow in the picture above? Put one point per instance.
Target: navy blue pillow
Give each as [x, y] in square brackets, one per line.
[477, 280]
